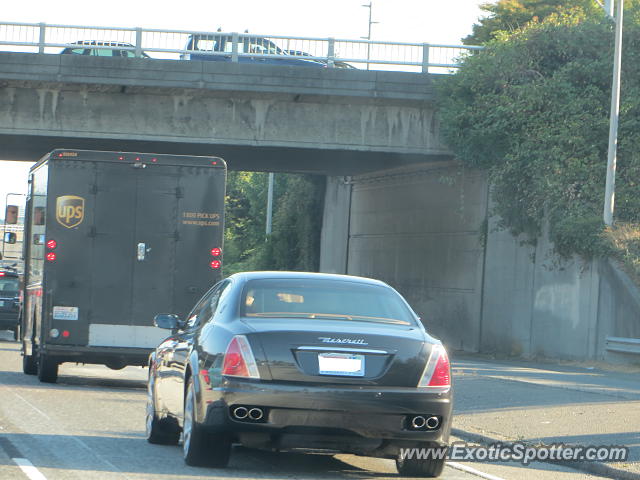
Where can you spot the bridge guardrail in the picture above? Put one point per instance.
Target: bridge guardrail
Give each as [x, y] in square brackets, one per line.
[172, 44]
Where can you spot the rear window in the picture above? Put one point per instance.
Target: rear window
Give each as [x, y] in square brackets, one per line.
[8, 286]
[326, 299]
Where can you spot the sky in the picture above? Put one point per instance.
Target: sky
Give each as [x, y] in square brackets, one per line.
[432, 21]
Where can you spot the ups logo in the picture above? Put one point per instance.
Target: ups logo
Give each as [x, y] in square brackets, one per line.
[69, 210]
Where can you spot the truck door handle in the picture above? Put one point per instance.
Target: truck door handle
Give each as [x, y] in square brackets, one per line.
[142, 251]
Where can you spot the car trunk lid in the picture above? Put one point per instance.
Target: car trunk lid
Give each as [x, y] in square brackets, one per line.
[332, 351]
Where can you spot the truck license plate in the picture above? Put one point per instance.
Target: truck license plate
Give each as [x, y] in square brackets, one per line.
[345, 364]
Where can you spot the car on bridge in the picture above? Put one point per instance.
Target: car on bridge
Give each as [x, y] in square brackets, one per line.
[9, 300]
[101, 48]
[218, 47]
[304, 362]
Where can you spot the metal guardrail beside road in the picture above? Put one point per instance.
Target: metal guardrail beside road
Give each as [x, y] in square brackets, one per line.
[172, 44]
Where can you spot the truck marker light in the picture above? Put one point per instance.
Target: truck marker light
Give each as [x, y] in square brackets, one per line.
[52, 244]
[54, 333]
[216, 252]
[154, 160]
[214, 163]
[51, 257]
[65, 333]
[120, 157]
[215, 264]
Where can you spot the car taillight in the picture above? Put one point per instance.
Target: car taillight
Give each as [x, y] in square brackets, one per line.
[2, 274]
[437, 374]
[239, 360]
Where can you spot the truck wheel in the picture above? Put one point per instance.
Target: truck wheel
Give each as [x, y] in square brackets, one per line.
[158, 431]
[422, 467]
[200, 448]
[47, 369]
[29, 365]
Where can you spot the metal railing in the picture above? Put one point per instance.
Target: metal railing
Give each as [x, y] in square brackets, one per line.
[623, 345]
[177, 44]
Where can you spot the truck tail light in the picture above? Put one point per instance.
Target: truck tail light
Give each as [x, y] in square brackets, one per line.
[437, 374]
[239, 360]
[215, 264]
[51, 244]
[51, 257]
[216, 252]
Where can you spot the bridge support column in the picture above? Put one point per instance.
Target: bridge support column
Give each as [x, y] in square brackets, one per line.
[334, 243]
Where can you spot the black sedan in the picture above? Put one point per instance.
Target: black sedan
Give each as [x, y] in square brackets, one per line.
[301, 361]
[9, 301]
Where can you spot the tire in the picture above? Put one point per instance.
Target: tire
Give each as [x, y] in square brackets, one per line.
[47, 369]
[29, 364]
[158, 431]
[200, 448]
[419, 467]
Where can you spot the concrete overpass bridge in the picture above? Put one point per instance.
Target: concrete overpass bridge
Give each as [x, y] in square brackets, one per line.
[397, 205]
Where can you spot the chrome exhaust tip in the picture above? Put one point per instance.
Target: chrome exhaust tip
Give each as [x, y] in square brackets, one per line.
[433, 423]
[255, 414]
[240, 413]
[418, 421]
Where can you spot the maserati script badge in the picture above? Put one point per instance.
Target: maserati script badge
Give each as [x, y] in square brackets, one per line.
[348, 341]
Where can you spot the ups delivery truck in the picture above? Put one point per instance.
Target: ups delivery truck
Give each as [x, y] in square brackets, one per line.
[111, 239]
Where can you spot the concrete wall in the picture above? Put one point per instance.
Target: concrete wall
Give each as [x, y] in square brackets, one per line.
[537, 305]
[418, 230]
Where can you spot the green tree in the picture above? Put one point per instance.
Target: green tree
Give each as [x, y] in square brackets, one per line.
[508, 16]
[297, 221]
[532, 109]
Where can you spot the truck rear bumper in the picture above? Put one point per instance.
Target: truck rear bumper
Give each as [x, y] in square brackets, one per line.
[112, 357]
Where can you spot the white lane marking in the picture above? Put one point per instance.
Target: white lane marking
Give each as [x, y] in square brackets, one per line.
[472, 471]
[29, 470]
[30, 404]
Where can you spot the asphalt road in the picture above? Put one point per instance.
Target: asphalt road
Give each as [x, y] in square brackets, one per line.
[90, 425]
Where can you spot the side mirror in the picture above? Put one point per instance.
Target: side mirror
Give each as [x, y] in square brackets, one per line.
[9, 237]
[11, 215]
[167, 321]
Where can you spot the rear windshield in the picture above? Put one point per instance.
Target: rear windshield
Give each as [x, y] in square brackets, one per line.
[8, 287]
[340, 300]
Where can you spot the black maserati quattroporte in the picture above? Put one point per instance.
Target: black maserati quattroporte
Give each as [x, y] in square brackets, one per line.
[300, 361]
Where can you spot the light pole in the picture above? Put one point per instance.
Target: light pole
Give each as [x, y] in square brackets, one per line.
[368, 37]
[269, 204]
[610, 186]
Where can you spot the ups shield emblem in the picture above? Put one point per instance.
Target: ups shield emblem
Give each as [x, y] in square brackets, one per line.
[69, 210]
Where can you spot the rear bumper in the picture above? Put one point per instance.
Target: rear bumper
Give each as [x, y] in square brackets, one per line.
[110, 356]
[368, 420]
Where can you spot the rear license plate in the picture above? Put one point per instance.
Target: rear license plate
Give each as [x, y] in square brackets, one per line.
[345, 364]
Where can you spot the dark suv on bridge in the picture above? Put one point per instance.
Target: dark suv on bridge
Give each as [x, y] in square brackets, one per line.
[9, 300]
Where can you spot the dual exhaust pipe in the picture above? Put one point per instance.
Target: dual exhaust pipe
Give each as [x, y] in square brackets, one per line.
[254, 414]
[420, 422]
